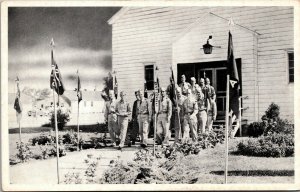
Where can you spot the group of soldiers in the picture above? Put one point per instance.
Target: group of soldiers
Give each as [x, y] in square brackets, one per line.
[190, 107]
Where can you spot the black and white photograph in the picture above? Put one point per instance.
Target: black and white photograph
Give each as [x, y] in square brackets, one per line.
[199, 94]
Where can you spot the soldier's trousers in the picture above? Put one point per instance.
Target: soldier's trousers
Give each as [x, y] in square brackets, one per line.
[143, 127]
[210, 122]
[202, 120]
[123, 125]
[134, 129]
[189, 124]
[112, 126]
[178, 127]
[163, 132]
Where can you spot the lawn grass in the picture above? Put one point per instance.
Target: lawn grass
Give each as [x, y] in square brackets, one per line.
[209, 165]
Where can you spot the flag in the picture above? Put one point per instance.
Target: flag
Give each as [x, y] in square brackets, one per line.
[17, 104]
[172, 88]
[116, 87]
[234, 84]
[145, 90]
[55, 77]
[79, 93]
[155, 96]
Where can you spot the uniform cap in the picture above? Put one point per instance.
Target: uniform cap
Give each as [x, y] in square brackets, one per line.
[193, 79]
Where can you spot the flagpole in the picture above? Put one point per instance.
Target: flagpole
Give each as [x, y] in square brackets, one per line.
[55, 118]
[226, 129]
[154, 117]
[176, 98]
[240, 115]
[18, 115]
[78, 126]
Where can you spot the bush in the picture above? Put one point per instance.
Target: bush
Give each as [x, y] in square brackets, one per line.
[44, 139]
[24, 152]
[256, 129]
[272, 145]
[62, 119]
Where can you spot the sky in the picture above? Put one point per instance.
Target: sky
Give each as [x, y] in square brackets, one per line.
[82, 39]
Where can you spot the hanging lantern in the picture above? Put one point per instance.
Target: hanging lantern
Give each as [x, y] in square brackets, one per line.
[207, 48]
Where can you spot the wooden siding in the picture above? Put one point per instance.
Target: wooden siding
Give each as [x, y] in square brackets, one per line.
[154, 34]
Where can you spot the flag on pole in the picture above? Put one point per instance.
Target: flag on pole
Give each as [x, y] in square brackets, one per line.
[234, 84]
[145, 90]
[55, 77]
[17, 104]
[172, 90]
[79, 93]
[116, 87]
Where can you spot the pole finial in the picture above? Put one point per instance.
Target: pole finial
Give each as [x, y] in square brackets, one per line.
[52, 42]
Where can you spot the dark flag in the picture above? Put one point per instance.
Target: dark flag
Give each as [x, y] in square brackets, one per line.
[116, 88]
[145, 90]
[55, 77]
[155, 96]
[17, 104]
[172, 88]
[79, 93]
[234, 84]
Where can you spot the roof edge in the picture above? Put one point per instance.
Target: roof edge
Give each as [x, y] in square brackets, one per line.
[117, 15]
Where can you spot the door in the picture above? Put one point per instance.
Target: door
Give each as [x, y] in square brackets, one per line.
[217, 77]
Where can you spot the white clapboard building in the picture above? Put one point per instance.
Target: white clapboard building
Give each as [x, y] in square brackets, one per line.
[144, 38]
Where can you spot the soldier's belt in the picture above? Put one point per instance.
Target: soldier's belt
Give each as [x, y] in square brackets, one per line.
[163, 112]
[202, 109]
[188, 113]
[144, 113]
[112, 113]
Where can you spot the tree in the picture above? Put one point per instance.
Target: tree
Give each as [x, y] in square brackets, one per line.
[62, 119]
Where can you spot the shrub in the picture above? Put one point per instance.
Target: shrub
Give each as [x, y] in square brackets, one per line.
[62, 119]
[272, 145]
[256, 129]
[24, 152]
[44, 139]
[273, 111]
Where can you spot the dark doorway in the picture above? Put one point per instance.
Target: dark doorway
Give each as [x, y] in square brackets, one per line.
[216, 72]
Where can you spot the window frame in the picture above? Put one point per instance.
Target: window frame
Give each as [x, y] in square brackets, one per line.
[290, 51]
[154, 67]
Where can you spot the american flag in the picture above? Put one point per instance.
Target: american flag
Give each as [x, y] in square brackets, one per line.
[55, 77]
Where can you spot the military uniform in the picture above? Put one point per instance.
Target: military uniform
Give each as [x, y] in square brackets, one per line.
[178, 128]
[202, 115]
[211, 115]
[190, 109]
[184, 87]
[194, 91]
[111, 117]
[143, 119]
[163, 120]
[123, 111]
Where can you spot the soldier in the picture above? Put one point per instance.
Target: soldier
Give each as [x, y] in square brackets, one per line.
[123, 111]
[184, 85]
[178, 127]
[189, 109]
[194, 87]
[202, 115]
[164, 118]
[209, 89]
[144, 118]
[110, 117]
[211, 114]
[135, 123]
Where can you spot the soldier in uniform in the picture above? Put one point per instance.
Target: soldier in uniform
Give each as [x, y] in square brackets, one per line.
[123, 111]
[184, 85]
[144, 118]
[178, 127]
[194, 87]
[211, 114]
[110, 117]
[190, 110]
[202, 114]
[135, 123]
[164, 118]
[209, 89]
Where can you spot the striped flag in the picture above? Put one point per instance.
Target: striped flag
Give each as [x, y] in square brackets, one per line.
[79, 92]
[17, 104]
[234, 84]
[55, 77]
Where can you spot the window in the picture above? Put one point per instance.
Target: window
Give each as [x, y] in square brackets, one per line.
[291, 67]
[92, 103]
[149, 76]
